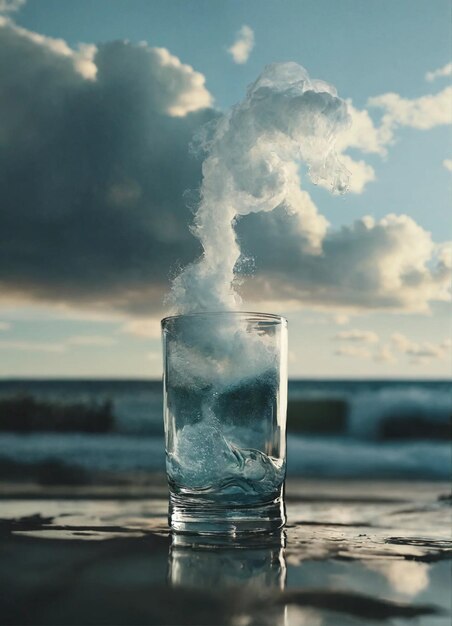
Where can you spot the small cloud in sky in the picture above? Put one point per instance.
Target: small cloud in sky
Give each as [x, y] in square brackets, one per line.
[420, 353]
[441, 72]
[5, 326]
[384, 354]
[361, 173]
[422, 113]
[358, 336]
[149, 327]
[400, 342]
[186, 87]
[356, 342]
[90, 340]
[365, 135]
[10, 6]
[292, 356]
[353, 351]
[57, 346]
[32, 346]
[448, 164]
[242, 46]
[341, 319]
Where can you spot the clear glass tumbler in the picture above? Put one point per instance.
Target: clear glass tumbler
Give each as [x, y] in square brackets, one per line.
[225, 403]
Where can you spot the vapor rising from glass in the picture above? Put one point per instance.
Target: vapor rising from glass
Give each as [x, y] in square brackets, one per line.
[254, 152]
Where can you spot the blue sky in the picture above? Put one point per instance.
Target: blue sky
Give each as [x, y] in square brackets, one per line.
[365, 49]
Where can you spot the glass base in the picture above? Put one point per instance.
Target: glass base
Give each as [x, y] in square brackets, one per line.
[189, 516]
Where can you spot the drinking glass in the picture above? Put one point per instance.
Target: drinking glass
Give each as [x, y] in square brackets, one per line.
[225, 403]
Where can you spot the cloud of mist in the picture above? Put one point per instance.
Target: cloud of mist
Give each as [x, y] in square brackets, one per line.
[253, 155]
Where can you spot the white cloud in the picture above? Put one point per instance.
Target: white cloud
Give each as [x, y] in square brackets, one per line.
[10, 6]
[366, 136]
[359, 336]
[32, 346]
[90, 340]
[149, 327]
[186, 87]
[60, 346]
[5, 326]
[361, 173]
[384, 354]
[422, 113]
[242, 46]
[420, 352]
[426, 350]
[363, 134]
[82, 58]
[292, 357]
[444, 71]
[353, 352]
[390, 264]
[341, 319]
[179, 89]
[448, 164]
[401, 342]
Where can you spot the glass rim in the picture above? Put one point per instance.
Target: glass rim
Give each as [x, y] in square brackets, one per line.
[260, 316]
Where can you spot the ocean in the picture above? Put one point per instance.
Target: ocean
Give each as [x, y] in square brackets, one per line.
[391, 429]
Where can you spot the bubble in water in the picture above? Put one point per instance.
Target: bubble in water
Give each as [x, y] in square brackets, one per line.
[202, 455]
[205, 460]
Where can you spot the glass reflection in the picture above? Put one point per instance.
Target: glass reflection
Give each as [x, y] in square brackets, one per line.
[253, 564]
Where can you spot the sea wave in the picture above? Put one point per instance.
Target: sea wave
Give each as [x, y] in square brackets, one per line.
[307, 456]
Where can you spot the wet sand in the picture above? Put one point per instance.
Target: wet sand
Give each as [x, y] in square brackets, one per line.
[353, 553]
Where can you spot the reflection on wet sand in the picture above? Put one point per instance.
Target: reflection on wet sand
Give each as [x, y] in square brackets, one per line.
[408, 578]
[353, 554]
[245, 571]
[206, 563]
